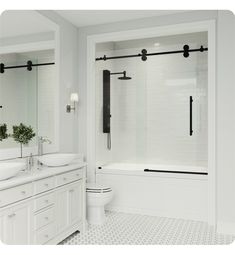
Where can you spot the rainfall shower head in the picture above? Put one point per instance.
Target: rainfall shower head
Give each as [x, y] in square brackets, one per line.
[124, 77]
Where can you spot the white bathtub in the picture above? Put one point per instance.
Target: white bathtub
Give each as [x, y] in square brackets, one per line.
[175, 195]
[138, 169]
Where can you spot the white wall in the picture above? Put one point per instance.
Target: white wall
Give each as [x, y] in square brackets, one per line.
[226, 122]
[46, 78]
[68, 80]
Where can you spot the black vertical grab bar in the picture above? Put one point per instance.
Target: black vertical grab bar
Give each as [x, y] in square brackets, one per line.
[190, 115]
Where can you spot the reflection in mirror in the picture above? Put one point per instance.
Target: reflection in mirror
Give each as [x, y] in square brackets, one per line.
[31, 96]
[28, 96]
[18, 96]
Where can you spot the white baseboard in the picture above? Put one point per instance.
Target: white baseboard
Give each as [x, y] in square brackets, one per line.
[226, 227]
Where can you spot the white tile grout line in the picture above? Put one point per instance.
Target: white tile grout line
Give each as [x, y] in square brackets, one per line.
[133, 229]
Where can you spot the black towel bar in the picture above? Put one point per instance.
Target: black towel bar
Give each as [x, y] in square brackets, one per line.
[175, 172]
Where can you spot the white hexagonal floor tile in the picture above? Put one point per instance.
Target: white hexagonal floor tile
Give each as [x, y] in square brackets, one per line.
[134, 229]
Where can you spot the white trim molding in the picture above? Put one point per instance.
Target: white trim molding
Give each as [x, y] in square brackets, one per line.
[26, 47]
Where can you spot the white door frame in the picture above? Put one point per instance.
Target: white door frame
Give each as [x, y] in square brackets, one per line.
[208, 26]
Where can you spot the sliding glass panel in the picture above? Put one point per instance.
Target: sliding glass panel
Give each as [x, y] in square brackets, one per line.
[150, 113]
[171, 81]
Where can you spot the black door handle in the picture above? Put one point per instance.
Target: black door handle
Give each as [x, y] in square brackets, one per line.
[190, 115]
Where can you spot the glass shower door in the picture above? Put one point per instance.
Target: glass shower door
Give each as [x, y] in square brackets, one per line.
[176, 106]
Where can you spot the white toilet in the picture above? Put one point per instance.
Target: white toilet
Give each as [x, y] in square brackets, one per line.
[97, 197]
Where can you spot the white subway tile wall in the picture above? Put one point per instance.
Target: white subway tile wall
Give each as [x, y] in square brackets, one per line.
[150, 112]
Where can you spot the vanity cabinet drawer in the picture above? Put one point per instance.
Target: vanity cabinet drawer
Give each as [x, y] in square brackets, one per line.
[72, 176]
[44, 185]
[43, 202]
[15, 194]
[44, 235]
[43, 218]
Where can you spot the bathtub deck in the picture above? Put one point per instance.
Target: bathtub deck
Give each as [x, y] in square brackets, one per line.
[134, 229]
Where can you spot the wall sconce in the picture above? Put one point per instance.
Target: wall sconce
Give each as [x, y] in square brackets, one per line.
[73, 99]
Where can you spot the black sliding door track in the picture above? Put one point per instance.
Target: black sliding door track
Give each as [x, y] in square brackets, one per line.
[144, 54]
[28, 66]
[175, 172]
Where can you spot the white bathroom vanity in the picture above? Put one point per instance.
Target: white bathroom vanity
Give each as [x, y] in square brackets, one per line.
[43, 206]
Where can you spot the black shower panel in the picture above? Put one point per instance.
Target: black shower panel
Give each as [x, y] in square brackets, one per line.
[106, 101]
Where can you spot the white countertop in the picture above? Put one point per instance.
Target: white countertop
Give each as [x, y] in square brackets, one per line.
[36, 174]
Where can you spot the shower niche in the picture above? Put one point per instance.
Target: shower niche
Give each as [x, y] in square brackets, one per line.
[151, 101]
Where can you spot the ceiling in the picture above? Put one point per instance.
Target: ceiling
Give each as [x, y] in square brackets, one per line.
[83, 18]
[15, 23]
[22, 22]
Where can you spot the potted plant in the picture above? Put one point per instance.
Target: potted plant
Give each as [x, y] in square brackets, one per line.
[3, 132]
[22, 134]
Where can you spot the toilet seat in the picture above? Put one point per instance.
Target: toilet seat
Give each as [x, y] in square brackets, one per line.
[97, 188]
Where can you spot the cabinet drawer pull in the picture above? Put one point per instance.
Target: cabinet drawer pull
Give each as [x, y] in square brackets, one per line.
[46, 236]
[46, 201]
[23, 192]
[65, 179]
[46, 184]
[72, 190]
[46, 218]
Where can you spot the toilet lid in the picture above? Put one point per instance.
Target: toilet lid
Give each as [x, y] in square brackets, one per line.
[97, 188]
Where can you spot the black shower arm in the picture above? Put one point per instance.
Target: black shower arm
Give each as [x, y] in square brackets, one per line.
[118, 73]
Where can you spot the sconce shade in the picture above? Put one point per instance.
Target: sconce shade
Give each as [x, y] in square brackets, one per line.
[74, 97]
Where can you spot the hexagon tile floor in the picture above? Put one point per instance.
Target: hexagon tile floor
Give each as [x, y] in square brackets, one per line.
[134, 229]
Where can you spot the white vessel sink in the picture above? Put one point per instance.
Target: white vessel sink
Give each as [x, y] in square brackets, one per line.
[10, 169]
[60, 159]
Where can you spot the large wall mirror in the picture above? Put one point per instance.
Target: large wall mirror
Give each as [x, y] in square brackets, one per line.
[28, 95]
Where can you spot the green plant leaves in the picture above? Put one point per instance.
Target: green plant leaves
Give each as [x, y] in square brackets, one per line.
[22, 133]
[3, 132]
